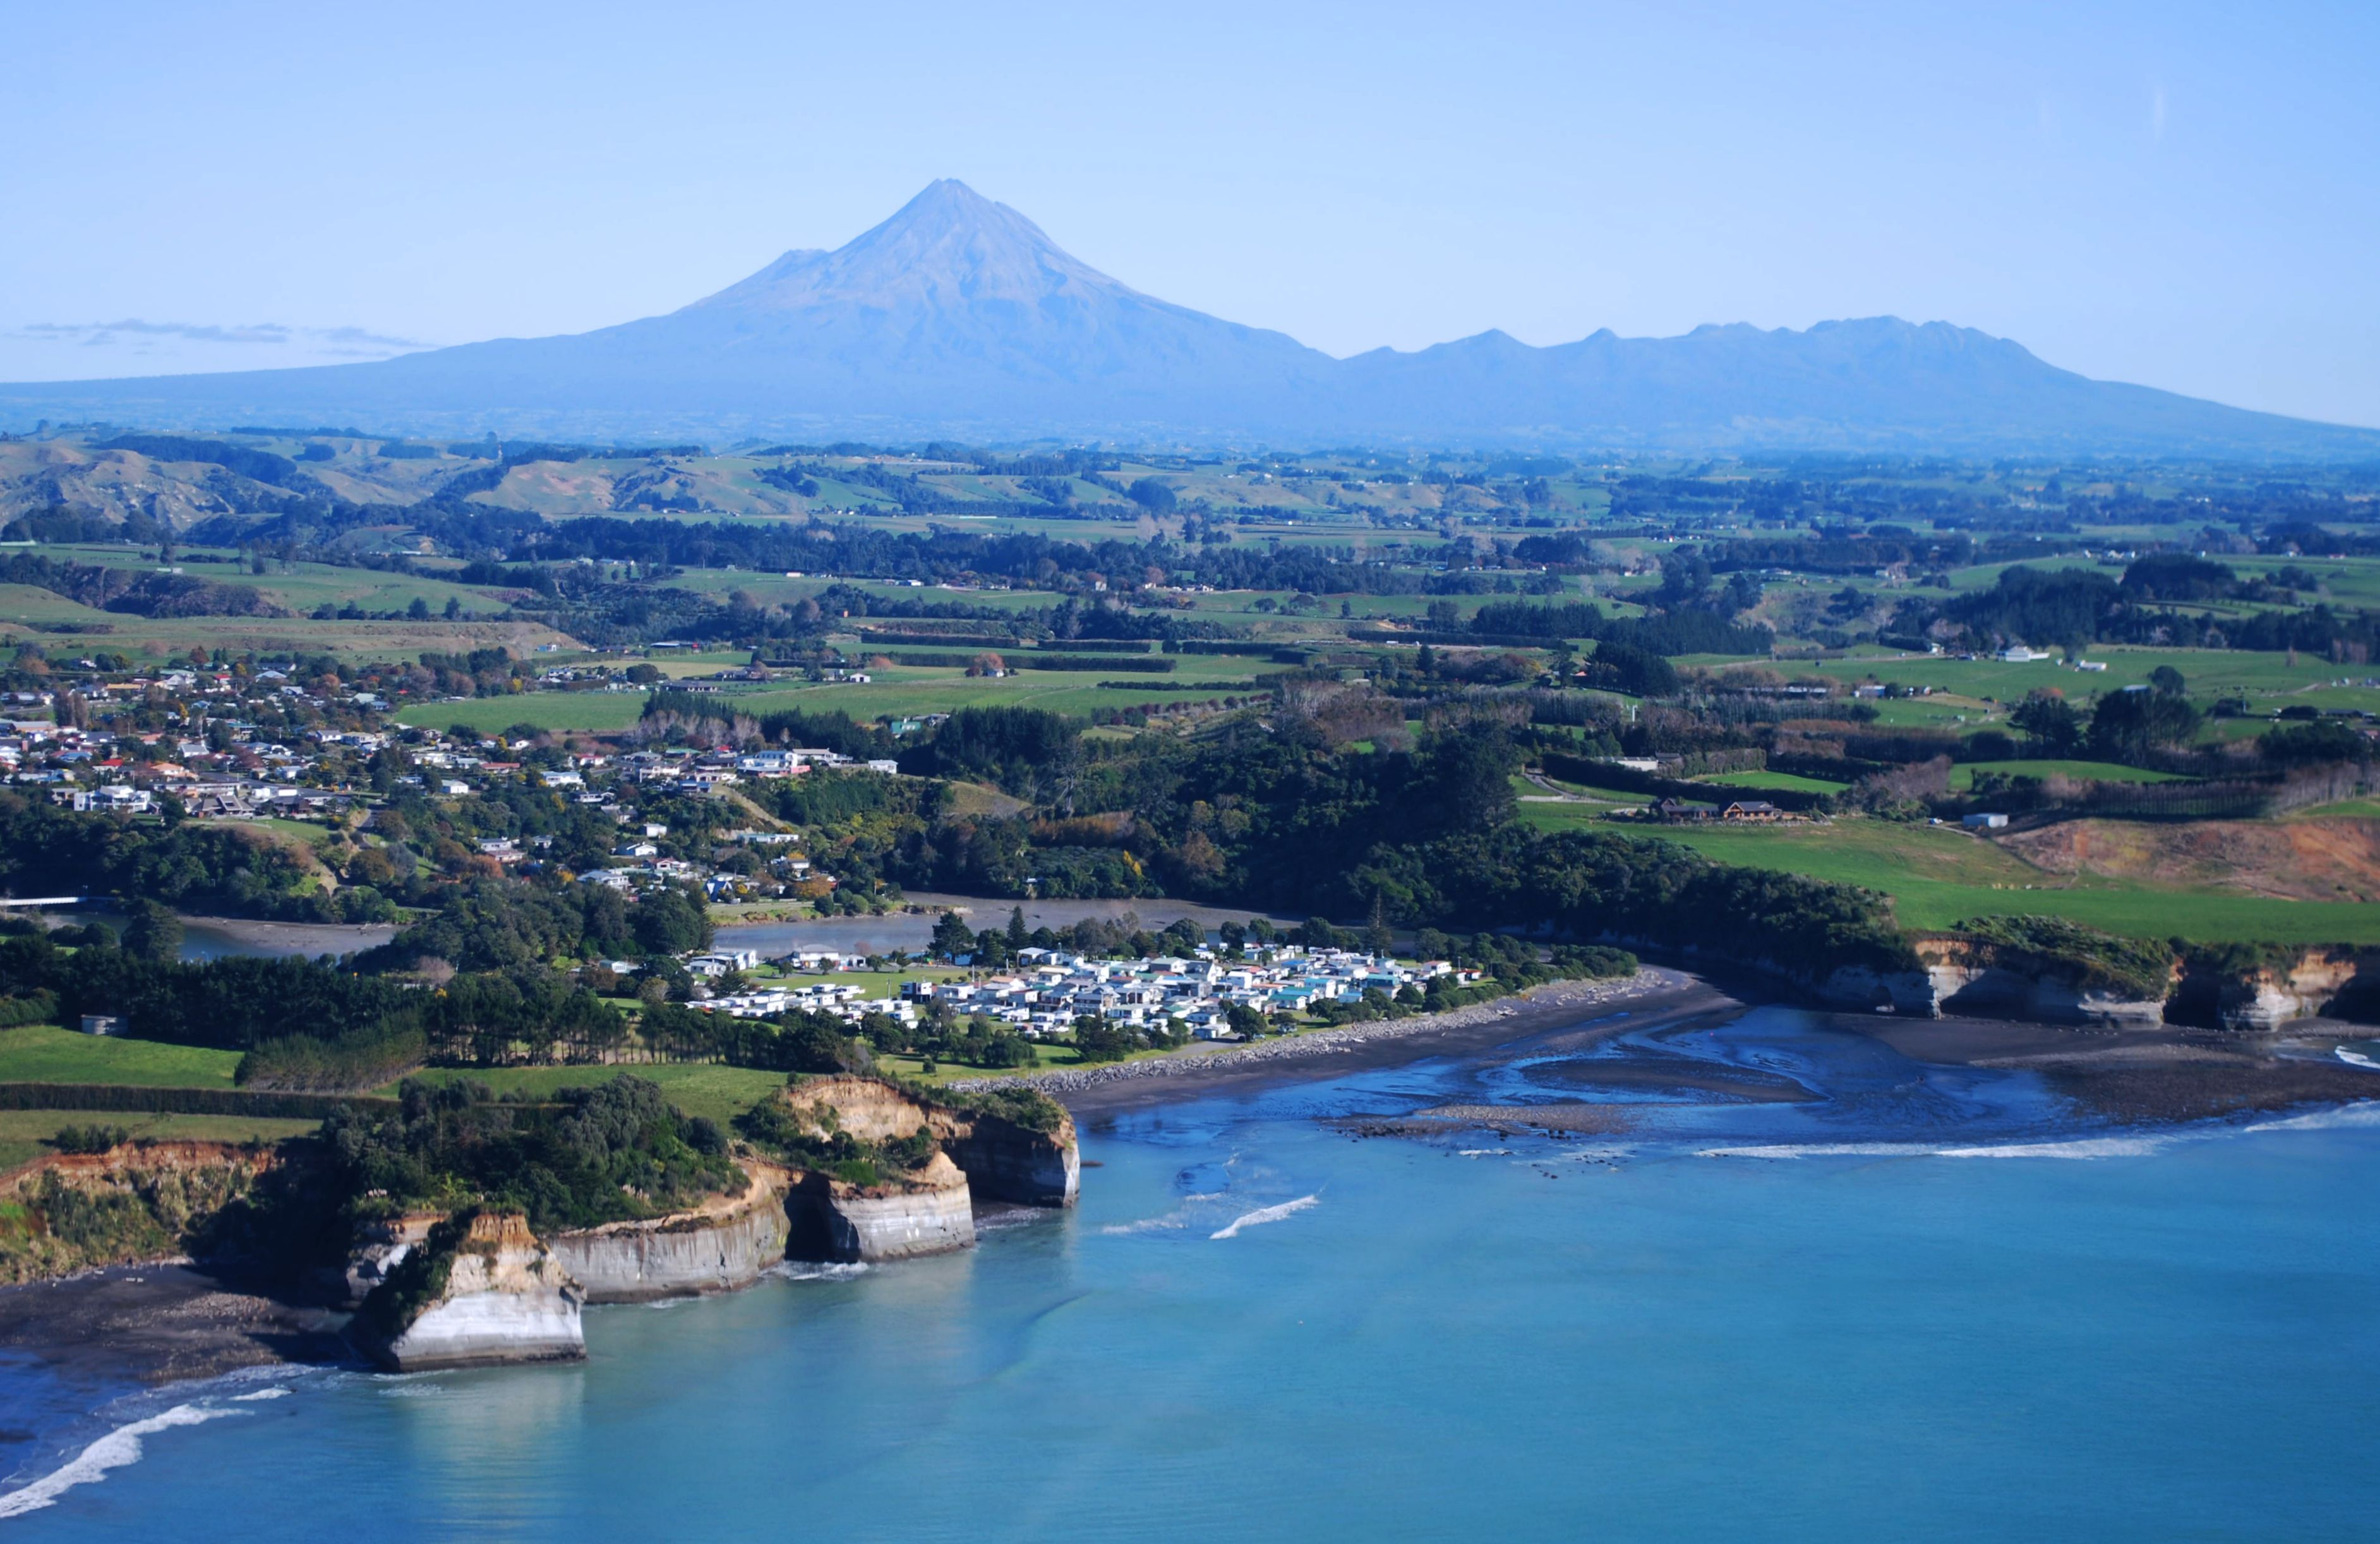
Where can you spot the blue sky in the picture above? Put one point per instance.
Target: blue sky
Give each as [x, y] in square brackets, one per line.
[2182, 195]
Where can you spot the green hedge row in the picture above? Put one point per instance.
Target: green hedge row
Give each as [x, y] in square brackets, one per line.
[181, 1101]
[1146, 664]
[1149, 665]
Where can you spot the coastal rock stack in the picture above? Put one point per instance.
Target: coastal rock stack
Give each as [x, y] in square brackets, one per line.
[480, 1289]
[379, 1246]
[926, 1212]
[978, 1156]
[1003, 1160]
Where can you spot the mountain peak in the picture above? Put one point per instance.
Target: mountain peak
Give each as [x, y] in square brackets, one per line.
[947, 200]
[948, 245]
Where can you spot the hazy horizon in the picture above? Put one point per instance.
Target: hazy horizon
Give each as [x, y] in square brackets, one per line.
[2176, 199]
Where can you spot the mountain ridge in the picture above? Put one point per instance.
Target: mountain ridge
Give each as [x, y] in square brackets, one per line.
[959, 316]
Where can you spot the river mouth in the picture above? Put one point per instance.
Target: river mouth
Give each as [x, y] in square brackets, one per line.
[1771, 1076]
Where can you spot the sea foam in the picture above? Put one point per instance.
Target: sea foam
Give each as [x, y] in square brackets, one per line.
[1823, 1150]
[1265, 1214]
[2083, 1148]
[816, 1270]
[118, 1448]
[2363, 1112]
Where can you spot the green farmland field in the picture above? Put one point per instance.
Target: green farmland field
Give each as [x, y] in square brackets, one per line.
[1937, 876]
[2210, 673]
[45, 1053]
[1790, 782]
[595, 712]
[722, 1093]
[1963, 775]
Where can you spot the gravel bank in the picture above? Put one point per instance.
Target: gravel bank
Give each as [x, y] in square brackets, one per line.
[1557, 999]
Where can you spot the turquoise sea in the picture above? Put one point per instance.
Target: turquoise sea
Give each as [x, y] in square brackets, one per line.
[1932, 1304]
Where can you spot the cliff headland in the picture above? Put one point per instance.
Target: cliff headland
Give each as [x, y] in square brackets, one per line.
[277, 1245]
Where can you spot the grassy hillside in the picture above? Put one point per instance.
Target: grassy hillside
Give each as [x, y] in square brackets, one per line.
[1937, 876]
[45, 1053]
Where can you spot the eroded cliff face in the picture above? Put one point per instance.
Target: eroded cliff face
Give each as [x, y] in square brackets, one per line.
[1002, 1161]
[928, 1207]
[724, 1244]
[926, 1211]
[2265, 994]
[1005, 1162]
[135, 1203]
[1972, 976]
[1914, 992]
[2249, 989]
[480, 1289]
[1996, 991]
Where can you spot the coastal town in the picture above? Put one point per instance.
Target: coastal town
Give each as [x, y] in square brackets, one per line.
[1209, 995]
[270, 742]
[272, 748]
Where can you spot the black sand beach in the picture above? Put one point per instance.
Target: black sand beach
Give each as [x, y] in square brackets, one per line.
[160, 1323]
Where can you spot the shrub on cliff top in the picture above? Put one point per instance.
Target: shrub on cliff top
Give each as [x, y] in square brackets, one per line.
[1018, 1105]
[2053, 946]
[89, 1138]
[614, 1152]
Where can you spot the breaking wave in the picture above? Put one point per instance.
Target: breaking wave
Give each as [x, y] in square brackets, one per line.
[1171, 1221]
[2083, 1147]
[813, 1270]
[1823, 1150]
[2364, 1113]
[1265, 1214]
[118, 1448]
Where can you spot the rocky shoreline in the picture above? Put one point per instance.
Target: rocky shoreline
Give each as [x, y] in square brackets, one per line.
[423, 1290]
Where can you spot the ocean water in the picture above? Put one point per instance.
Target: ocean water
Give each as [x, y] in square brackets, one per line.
[1930, 1305]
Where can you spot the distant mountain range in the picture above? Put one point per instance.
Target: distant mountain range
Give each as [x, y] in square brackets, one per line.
[957, 318]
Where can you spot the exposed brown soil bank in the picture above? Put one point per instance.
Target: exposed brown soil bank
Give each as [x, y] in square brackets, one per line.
[2332, 858]
[66, 1212]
